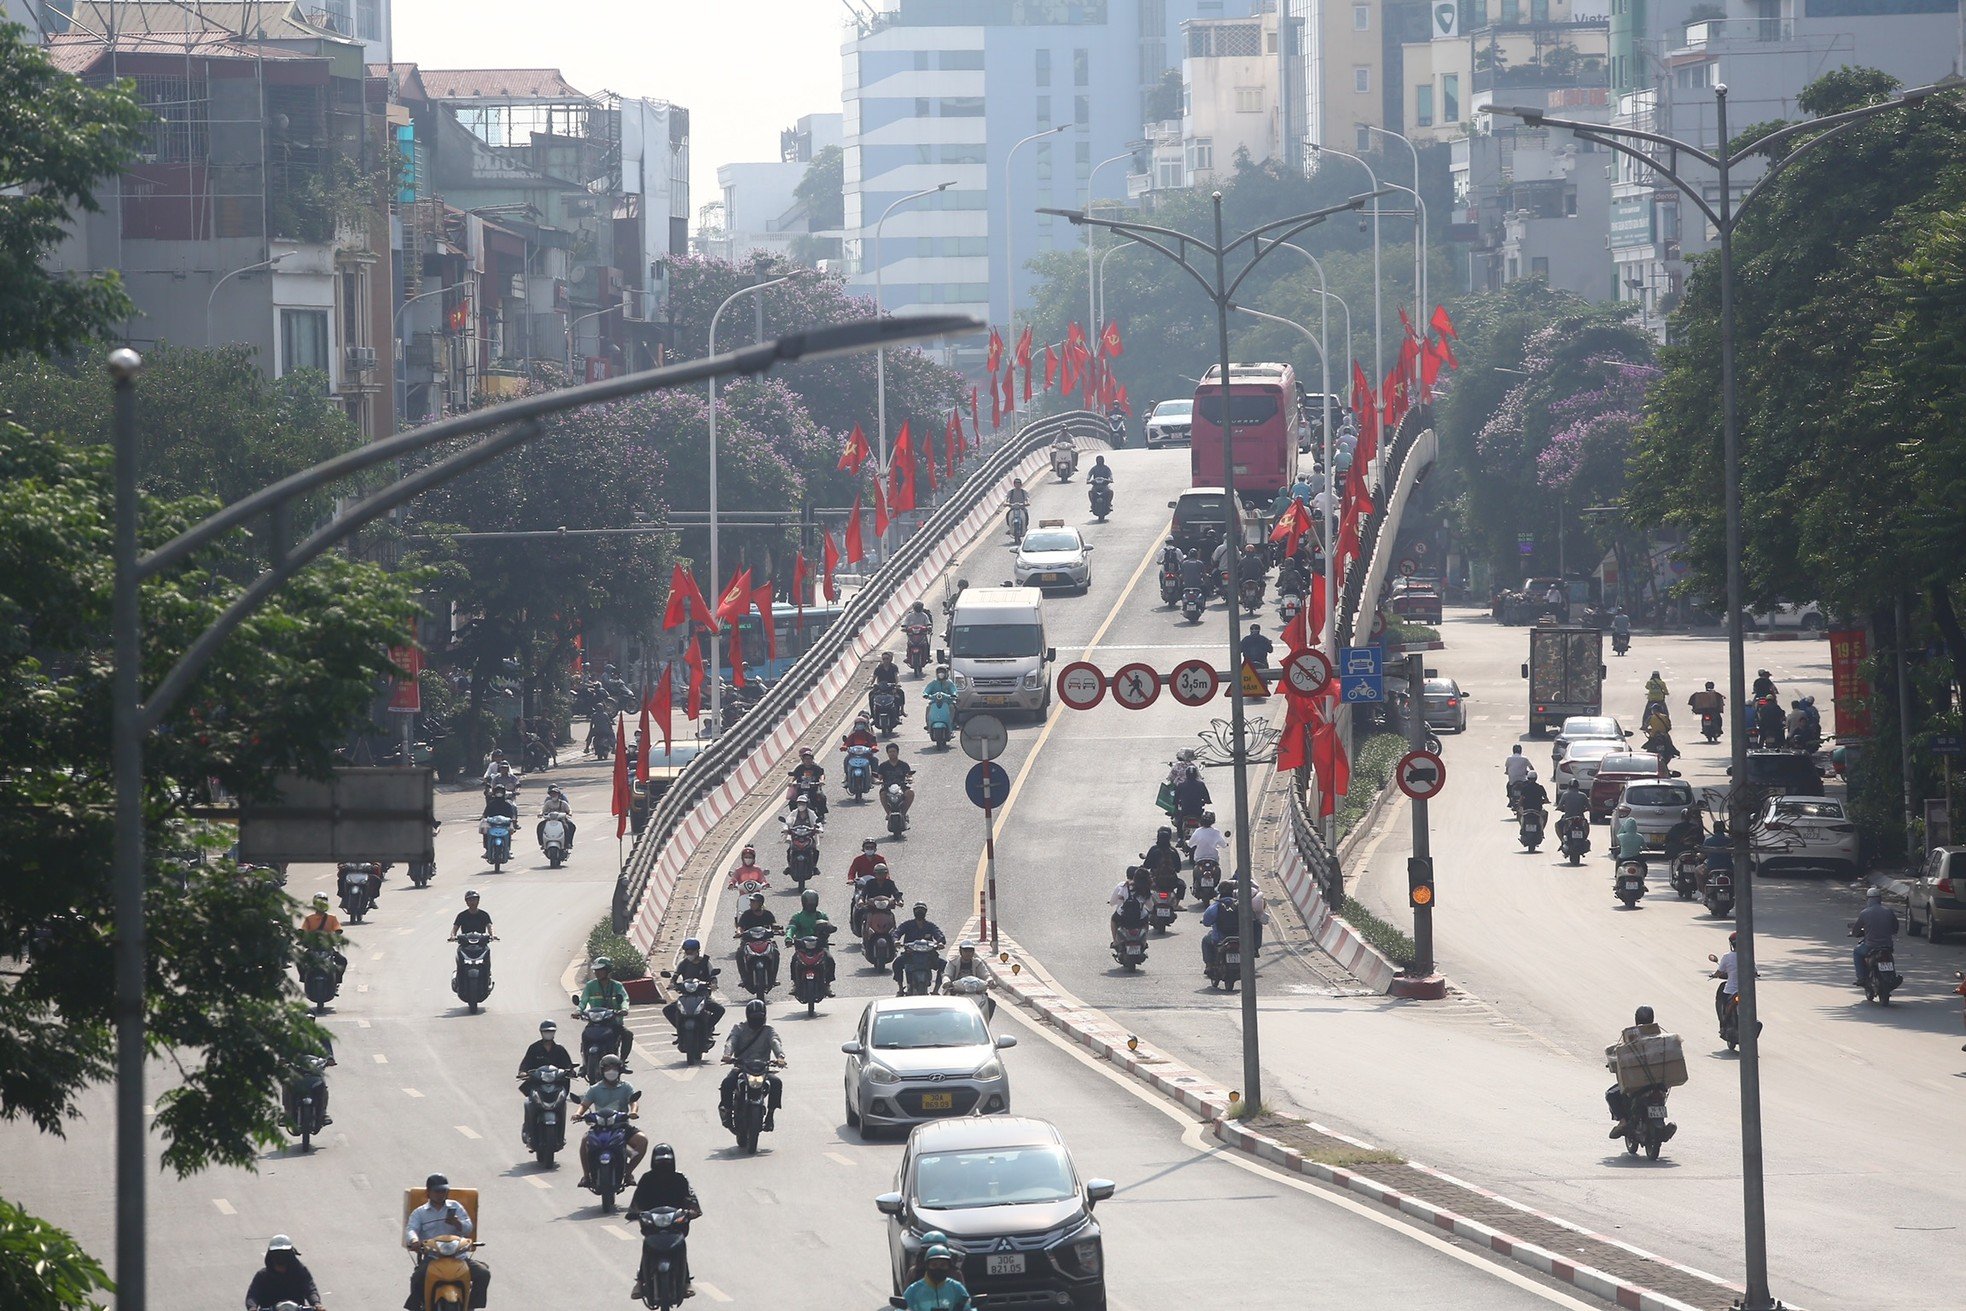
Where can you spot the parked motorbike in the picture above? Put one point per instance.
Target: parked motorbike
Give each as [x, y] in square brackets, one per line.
[696, 1032]
[1629, 882]
[602, 1036]
[1881, 977]
[1191, 604]
[664, 1275]
[1717, 891]
[877, 933]
[472, 980]
[1226, 969]
[553, 839]
[917, 649]
[1208, 877]
[1100, 496]
[318, 981]
[1686, 870]
[893, 801]
[750, 1110]
[498, 841]
[358, 890]
[884, 708]
[1130, 946]
[544, 1131]
[809, 969]
[801, 852]
[306, 1100]
[757, 960]
[1529, 827]
[1161, 912]
[940, 717]
[858, 773]
[1019, 520]
[607, 1153]
[1574, 831]
[921, 967]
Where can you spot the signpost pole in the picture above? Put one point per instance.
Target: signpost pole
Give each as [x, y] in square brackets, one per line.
[990, 858]
[1416, 737]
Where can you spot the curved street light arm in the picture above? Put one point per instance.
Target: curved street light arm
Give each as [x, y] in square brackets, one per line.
[1301, 223]
[1536, 118]
[1137, 231]
[1686, 188]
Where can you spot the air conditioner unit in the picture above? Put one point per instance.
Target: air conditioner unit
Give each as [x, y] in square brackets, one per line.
[361, 359]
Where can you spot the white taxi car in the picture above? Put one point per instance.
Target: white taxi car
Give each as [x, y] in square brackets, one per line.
[1053, 555]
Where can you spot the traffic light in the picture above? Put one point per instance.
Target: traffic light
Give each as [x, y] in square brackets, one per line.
[1420, 882]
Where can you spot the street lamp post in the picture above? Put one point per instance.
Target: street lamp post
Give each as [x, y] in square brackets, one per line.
[1099, 307]
[1213, 276]
[1378, 307]
[250, 268]
[605, 309]
[716, 563]
[1009, 237]
[1724, 214]
[1326, 294]
[1420, 232]
[880, 307]
[402, 388]
[1091, 298]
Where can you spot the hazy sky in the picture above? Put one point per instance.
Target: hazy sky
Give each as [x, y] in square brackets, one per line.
[744, 70]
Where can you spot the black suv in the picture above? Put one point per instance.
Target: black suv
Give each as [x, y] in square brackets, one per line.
[1784, 774]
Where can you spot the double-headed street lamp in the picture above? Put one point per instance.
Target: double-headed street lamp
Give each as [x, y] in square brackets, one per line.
[1009, 234]
[1378, 300]
[1091, 291]
[1220, 287]
[1420, 231]
[1782, 148]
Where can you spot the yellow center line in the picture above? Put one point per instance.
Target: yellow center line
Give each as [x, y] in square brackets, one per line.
[1059, 710]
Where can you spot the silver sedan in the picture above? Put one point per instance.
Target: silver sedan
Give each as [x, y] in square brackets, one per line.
[915, 1059]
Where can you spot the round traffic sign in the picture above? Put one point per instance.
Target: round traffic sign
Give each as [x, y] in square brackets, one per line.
[1408, 567]
[1136, 686]
[1306, 672]
[1081, 685]
[1419, 548]
[1378, 624]
[1194, 683]
[984, 737]
[1420, 774]
[987, 784]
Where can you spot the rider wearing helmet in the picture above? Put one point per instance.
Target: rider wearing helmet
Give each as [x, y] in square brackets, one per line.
[918, 929]
[938, 1289]
[747, 869]
[663, 1185]
[602, 992]
[1615, 1098]
[877, 883]
[1162, 862]
[693, 964]
[749, 1041]
[612, 1093]
[805, 923]
[809, 777]
[441, 1216]
[282, 1278]
[322, 928]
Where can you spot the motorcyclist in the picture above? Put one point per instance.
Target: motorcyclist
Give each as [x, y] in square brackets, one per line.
[1252, 566]
[940, 685]
[1878, 925]
[1813, 716]
[1207, 841]
[751, 1040]
[1768, 719]
[892, 770]
[755, 916]
[555, 804]
[747, 869]
[281, 1278]
[1516, 767]
[498, 803]
[887, 673]
[805, 923]
[1655, 688]
[1128, 902]
[441, 1216]
[497, 768]
[1763, 684]
[663, 1185]
[1717, 852]
[471, 919]
[347, 867]
[321, 928]
[877, 882]
[1194, 574]
[1626, 842]
[863, 864]
[1162, 862]
[612, 1093]
[1100, 474]
[1191, 795]
[966, 965]
[693, 964]
[1707, 701]
[1531, 795]
[918, 929]
[1621, 624]
[1642, 1026]
[809, 777]
[546, 1051]
[1255, 648]
[1796, 724]
[938, 1289]
[918, 616]
[1728, 971]
[604, 992]
[1220, 919]
[1170, 557]
[1017, 495]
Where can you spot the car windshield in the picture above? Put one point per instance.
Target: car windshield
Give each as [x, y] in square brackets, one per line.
[1808, 810]
[1591, 749]
[1582, 726]
[1208, 506]
[1174, 410]
[1054, 540]
[1628, 765]
[1011, 1176]
[1252, 408]
[953, 1026]
[984, 641]
[1658, 794]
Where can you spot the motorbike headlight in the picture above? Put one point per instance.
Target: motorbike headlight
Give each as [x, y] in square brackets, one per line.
[1034, 680]
[881, 1074]
[991, 1069]
[1086, 1253]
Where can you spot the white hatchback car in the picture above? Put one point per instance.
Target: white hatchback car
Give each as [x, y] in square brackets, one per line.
[915, 1059]
[1805, 833]
[1052, 555]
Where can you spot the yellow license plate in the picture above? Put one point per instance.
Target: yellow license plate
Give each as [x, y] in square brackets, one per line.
[938, 1101]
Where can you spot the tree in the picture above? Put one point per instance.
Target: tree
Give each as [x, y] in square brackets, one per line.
[279, 696]
[58, 139]
[823, 193]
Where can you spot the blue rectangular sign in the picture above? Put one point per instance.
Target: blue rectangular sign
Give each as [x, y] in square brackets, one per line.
[1361, 673]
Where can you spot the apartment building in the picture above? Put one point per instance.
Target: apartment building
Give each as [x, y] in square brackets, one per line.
[758, 208]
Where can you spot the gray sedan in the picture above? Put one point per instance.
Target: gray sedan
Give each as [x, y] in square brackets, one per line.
[915, 1059]
[1445, 706]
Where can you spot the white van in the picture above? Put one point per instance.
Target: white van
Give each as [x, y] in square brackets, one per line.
[997, 653]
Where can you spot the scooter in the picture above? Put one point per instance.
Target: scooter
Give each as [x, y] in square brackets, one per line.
[940, 716]
[877, 933]
[1064, 462]
[1629, 882]
[545, 1129]
[446, 1272]
[306, 1098]
[1191, 604]
[1162, 912]
[1727, 1010]
[1621, 643]
[892, 801]
[1881, 977]
[1019, 520]
[1686, 868]
[498, 841]
[917, 649]
[750, 1111]
[607, 1153]
[1710, 726]
[809, 969]
[884, 708]
[318, 979]
[1226, 969]
[601, 1037]
[1529, 827]
[358, 891]
[664, 1276]
[1130, 946]
[921, 967]
[1100, 497]
[1170, 586]
[472, 980]
[553, 840]
[1208, 877]
[1717, 891]
[978, 993]
[858, 773]
[696, 1032]
[1646, 1125]
[1251, 595]
[1574, 831]
[757, 960]
[1288, 606]
[801, 852]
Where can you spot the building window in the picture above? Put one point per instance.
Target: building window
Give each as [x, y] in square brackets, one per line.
[1539, 11]
[1511, 12]
[1167, 174]
[1082, 152]
[1423, 105]
[1044, 67]
[1539, 267]
[1081, 110]
[1081, 68]
[1362, 79]
[1249, 100]
[1362, 141]
[1450, 97]
[1361, 18]
[1201, 155]
[1044, 111]
[303, 340]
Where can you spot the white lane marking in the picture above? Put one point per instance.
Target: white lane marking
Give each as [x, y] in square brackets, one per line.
[467, 1131]
[224, 1207]
[623, 1234]
[413, 1092]
[839, 1159]
[683, 1075]
[362, 987]
[363, 1024]
[380, 1059]
[537, 1180]
[375, 955]
[148, 1109]
[404, 932]
[711, 1291]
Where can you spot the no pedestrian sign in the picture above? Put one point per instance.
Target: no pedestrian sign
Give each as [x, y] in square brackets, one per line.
[1136, 686]
[1081, 686]
[1420, 774]
[1194, 682]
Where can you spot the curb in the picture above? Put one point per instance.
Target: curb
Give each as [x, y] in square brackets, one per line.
[1028, 986]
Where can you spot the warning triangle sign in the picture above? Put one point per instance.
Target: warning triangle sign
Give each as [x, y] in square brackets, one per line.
[1253, 688]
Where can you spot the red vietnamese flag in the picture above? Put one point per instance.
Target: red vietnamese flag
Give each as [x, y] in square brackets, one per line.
[996, 405]
[881, 520]
[736, 600]
[761, 600]
[952, 441]
[693, 697]
[928, 458]
[1109, 341]
[1024, 360]
[975, 422]
[623, 800]
[662, 701]
[1292, 524]
[1009, 392]
[854, 548]
[829, 566]
[800, 577]
[1069, 366]
[1347, 548]
[1290, 742]
[1119, 399]
[856, 452]
[1441, 323]
[1050, 367]
[1334, 768]
[686, 601]
[994, 359]
[1430, 366]
[901, 472]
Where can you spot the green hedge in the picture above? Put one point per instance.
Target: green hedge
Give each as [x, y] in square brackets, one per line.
[629, 963]
[1372, 769]
[1394, 945]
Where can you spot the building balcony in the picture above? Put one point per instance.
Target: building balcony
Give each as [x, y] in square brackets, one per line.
[1589, 72]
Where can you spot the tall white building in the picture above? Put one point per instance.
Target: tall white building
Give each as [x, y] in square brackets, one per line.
[760, 207]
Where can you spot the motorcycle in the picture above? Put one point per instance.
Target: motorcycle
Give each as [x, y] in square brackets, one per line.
[607, 1153]
[358, 891]
[884, 708]
[1881, 977]
[809, 969]
[1288, 607]
[472, 980]
[1727, 1009]
[750, 1110]
[600, 736]
[858, 775]
[1686, 868]
[1116, 424]
[1621, 643]
[306, 1098]
[1710, 726]
[757, 960]
[446, 1273]
[1208, 877]
[696, 1033]
[917, 649]
[921, 967]
[601, 1037]
[801, 852]
[1019, 520]
[1629, 882]
[1646, 1125]
[1226, 969]
[665, 1258]
[553, 840]
[978, 992]
[940, 717]
[1191, 604]
[498, 841]
[1162, 912]
[1130, 946]
[1100, 497]
[877, 933]
[545, 1129]
[1250, 594]
[1170, 585]
[1574, 831]
[893, 802]
[318, 981]
[1529, 827]
[1064, 462]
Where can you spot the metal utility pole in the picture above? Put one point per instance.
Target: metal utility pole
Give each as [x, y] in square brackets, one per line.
[1212, 275]
[1782, 147]
[1423, 856]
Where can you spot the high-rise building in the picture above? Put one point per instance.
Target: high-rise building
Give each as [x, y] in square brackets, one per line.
[760, 209]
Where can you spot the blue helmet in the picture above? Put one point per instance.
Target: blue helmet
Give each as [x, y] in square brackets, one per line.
[691, 944]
